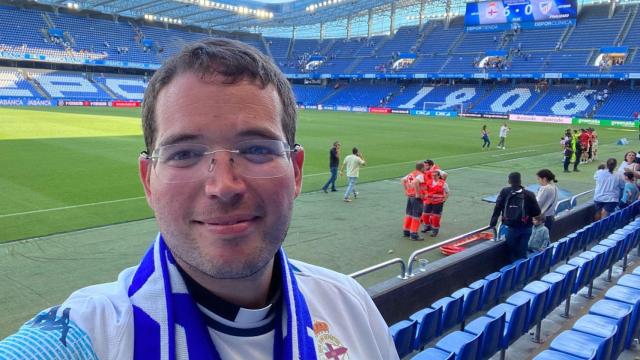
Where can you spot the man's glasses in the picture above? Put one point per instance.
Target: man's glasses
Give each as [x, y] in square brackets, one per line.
[188, 162]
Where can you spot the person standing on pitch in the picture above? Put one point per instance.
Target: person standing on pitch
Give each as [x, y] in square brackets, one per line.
[518, 206]
[485, 137]
[221, 171]
[353, 163]
[437, 194]
[411, 184]
[334, 162]
[504, 129]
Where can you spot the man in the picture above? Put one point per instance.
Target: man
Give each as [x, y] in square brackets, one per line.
[429, 167]
[221, 172]
[411, 184]
[334, 162]
[518, 206]
[352, 163]
[437, 194]
[504, 129]
[584, 139]
[577, 149]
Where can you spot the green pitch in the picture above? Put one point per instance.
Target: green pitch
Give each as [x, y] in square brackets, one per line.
[65, 169]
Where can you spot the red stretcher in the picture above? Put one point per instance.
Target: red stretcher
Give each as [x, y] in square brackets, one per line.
[462, 244]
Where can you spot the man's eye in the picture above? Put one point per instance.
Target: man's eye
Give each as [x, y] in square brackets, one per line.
[258, 150]
[182, 157]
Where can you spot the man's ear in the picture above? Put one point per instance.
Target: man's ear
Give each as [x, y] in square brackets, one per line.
[145, 165]
[298, 160]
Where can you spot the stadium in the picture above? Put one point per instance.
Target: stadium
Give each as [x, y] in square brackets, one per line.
[401, 80]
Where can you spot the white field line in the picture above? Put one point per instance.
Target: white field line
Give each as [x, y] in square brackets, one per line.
[71, 207]
[512, 153]
[304, 176]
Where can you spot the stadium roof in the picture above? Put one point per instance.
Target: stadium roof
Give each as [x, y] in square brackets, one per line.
[233, 15]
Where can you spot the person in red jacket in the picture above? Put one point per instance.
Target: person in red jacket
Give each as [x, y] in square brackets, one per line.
[437, 193]
[411, 184]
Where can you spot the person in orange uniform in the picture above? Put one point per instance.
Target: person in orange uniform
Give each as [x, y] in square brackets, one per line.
[437, 193]
[411, 184]
[429, 168]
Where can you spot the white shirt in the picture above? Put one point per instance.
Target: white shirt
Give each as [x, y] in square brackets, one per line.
[353, 163]
[503, 131]
[101, 324]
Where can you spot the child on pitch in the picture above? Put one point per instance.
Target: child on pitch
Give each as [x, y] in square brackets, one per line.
[539, 239]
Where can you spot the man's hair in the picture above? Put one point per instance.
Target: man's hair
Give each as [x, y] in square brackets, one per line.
[419, 166]
[429, 162]
[234, 61]
[515, 179]
[336, 143]
[354, 150]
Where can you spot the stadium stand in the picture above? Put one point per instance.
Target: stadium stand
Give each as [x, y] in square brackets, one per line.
[439, 48]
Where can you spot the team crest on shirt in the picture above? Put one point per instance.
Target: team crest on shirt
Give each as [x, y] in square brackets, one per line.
[329, 347]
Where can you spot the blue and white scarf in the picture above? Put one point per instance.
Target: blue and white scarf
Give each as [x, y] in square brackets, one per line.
[169, 324]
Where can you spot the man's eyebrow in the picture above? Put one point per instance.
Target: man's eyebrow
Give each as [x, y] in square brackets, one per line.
[262, 133]
[178, 138]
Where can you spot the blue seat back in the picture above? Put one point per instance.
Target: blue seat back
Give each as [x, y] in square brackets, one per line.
[521, 273]
[559, 251]
[533, 269]
[540, 302]
[571, 273]
[515, 325]
[403, 334]
[428, 322]
[451, 312]
[554, 298]
[545, 263]
[506, 279]
[584, 271]
[491, 337]
[490, 291]
[434, 354]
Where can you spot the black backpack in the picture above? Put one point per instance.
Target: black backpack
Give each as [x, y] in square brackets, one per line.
[513, 213]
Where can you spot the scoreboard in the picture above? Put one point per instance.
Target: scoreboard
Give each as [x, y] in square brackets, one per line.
[519, 11]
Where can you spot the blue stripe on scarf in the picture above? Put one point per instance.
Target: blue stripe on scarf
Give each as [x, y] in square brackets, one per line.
[182, 310]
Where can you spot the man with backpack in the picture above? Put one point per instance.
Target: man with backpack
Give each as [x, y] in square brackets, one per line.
[518, 206]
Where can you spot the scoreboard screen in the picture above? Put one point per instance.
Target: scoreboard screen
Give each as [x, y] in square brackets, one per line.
[517, 11]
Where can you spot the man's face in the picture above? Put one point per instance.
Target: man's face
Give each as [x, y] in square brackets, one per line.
[226, 225]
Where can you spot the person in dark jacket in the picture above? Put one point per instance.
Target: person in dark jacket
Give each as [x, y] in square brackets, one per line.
[517, 206]
[334, 163]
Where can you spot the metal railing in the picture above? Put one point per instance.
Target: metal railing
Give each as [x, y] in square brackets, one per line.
[412, 257]
[571, 200]
[403, 267]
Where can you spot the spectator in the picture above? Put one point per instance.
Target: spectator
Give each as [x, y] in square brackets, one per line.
[352, 163]
[539, 239]
[629, 164]
[630, 190]
[607, 192]
[517, 206]
[334, 162]
[547, 196]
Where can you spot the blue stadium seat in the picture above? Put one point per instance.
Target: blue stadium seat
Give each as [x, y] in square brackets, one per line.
[520, 276]
[537, 298]
[597, 265]
[621, 313]
[630, 280]
[434, 354]
[584, 272]
[403, 334]
[451, 312]
[600, 326]
[533, 269]
[465, 345]
[428, 322]
[489, 285]
[556, 295]
[571, 275]
[581, 345]
[506, 279]
[629, 296]
[471, 301]
[491, 330]
[545, 263]
[515, 321]
[559, 251]
[555, 355]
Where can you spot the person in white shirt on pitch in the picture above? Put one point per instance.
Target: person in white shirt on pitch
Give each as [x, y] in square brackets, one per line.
[504, 129]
